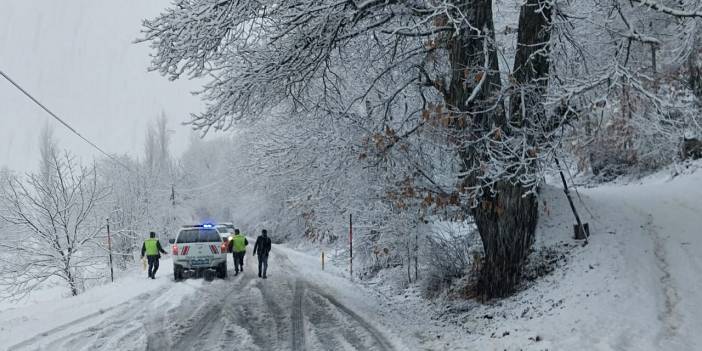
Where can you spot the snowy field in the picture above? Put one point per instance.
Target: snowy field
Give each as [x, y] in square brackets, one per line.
[633, 287]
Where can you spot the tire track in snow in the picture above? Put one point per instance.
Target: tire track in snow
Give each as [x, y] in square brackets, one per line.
[668, 316]
[254, 317]
[280, 312]
[151, 327]
[97, 336]
[204, 324]
[144, 298]
[156, 339]
[299, 310]
[242, 313]
[379, 340]
[58, 329]
[199, 329]
[331, 329]
[240, 316]
[298, 332]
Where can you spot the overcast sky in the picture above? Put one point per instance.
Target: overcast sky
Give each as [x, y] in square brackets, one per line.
[77, 57]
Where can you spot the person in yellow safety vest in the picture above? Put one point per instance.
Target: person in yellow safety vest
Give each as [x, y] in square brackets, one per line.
[152, 248]
[237, 245]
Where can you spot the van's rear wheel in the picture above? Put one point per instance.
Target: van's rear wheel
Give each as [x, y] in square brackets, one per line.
[222, 271]
[209, 275]
[177, 272]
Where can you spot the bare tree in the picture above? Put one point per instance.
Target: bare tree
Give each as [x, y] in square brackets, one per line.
[54, 211]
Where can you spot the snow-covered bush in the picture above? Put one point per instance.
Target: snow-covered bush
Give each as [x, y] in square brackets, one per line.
[635, 133]
[451, 250]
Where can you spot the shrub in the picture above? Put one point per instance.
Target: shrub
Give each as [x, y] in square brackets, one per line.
[449, 255]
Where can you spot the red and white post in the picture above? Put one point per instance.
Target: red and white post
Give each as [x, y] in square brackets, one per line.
[351, 245]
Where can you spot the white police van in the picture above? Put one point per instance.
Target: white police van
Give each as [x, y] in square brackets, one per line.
[225, 232]
[199, 250]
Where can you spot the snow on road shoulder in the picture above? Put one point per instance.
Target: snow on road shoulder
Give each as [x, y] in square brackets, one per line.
[40, 318]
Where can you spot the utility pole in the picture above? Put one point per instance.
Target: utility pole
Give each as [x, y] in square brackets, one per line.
[109, 250]
[172, 216]
[173, 203]
[351, 245]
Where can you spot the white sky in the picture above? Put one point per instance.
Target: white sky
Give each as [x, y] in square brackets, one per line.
[77, 57]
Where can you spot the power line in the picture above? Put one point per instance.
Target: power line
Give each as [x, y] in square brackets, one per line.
[65, 124]
[74, 131]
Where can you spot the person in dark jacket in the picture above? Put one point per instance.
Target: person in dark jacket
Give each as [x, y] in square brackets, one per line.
[262, 248]
[153, 250]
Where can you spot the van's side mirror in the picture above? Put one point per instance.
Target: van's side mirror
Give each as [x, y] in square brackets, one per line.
[171, 241]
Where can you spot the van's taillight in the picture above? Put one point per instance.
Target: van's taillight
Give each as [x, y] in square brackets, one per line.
[224, 247]
[175, 250]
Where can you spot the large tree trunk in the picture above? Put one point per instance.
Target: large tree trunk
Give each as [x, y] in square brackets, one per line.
[506, 217]
[506, 222]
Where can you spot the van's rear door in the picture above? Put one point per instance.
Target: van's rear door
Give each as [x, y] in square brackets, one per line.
[199, 245]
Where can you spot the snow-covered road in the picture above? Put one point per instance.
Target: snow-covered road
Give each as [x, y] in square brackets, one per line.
[290, 310]
[661, 223]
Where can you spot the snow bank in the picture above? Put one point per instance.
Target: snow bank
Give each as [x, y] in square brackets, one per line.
[46, 312]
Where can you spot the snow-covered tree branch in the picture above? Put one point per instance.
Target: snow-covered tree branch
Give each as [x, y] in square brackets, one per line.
[54, 215]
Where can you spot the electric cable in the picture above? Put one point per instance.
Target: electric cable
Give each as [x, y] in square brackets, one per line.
[63, 122]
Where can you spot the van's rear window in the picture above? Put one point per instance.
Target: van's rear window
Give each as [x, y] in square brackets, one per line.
[198, 235]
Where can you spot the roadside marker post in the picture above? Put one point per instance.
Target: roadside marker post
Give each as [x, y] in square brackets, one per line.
[351, 245]
[109, 250]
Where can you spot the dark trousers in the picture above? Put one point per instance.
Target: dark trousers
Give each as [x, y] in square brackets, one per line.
[262, 264]
[239, 261]
[153, 265]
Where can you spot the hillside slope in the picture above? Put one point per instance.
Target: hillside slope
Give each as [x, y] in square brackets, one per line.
[635, 286]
